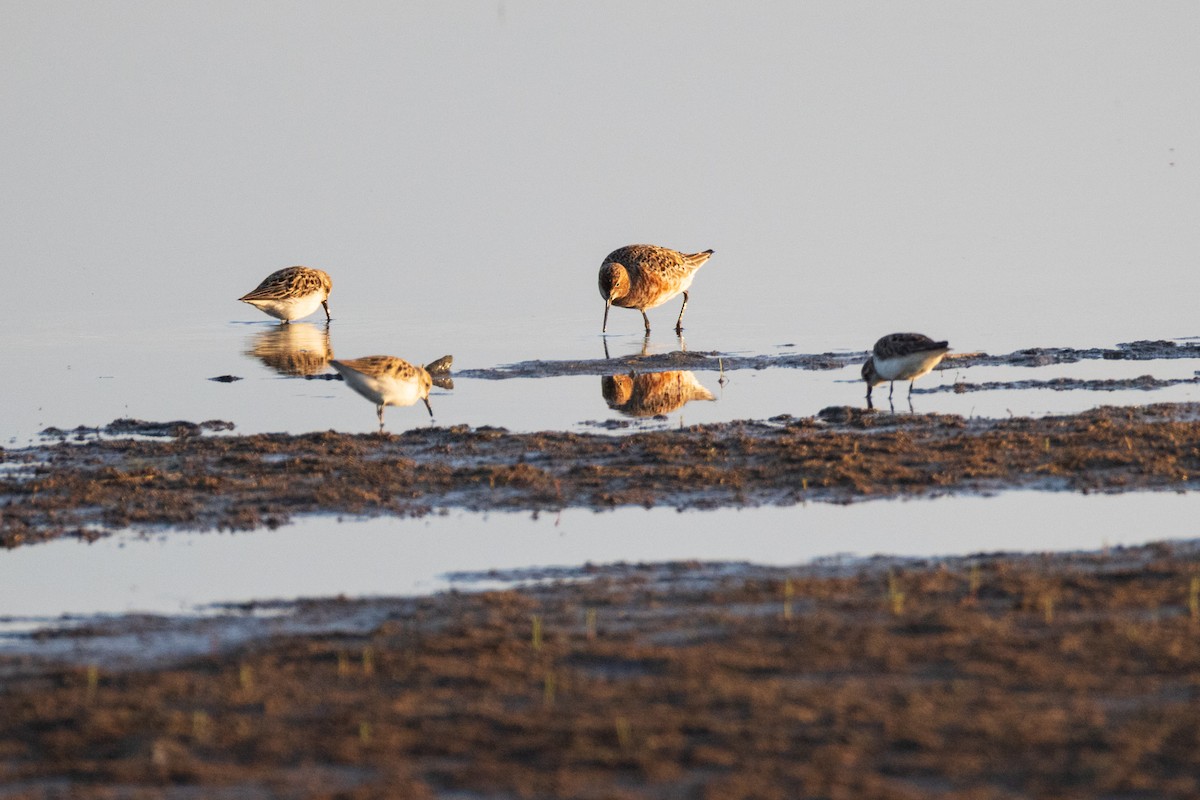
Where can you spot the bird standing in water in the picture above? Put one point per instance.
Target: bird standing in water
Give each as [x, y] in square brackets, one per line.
[643, 276]
[391, 381]
[291, 293]
[901, 357]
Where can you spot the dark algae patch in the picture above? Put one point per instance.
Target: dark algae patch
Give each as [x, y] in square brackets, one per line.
[842, 455]
[990, 678]
[1143, 350]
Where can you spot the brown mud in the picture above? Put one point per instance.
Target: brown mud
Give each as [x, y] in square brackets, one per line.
[842, 455]
[990, 677]
[1142, 383]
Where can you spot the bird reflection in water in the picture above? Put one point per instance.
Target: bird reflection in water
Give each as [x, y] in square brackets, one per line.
[299, 349]
[652, 393]
[645, 350]
[391, 381]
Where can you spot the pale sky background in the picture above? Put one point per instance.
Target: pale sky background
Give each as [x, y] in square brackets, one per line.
[1000, 174]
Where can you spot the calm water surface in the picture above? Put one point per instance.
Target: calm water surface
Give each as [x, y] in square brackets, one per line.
[1003, 176]
[320, 557]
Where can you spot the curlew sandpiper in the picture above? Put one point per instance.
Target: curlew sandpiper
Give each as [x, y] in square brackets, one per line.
[643, 276]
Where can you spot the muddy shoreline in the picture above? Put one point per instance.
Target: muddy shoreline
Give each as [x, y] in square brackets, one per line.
[844, 454]
[990, 677]
[1067, 676]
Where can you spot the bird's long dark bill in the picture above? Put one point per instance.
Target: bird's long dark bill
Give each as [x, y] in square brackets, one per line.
[604, 327]
[427, 406]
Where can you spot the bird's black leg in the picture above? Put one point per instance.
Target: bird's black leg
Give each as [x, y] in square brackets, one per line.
[679, 322]
[891, 388]
[646, 320]
[379, 412]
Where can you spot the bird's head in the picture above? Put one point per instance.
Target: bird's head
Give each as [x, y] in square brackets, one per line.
[869, 374]
[614, 282]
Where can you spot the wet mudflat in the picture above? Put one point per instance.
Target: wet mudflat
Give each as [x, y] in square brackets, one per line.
[982, 677]
[985, 677]
[842, 455]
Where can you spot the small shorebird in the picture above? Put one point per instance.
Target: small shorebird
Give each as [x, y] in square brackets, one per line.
[901, 357]
[291, 293]
[391, 381]
[643, 276]
[652, 393]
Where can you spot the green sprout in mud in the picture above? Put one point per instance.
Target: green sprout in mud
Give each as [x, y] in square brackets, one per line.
[368, 661]
[246, 677]
[788, 591]
[895, 596]
[535, 636]
[1047, 603]
[624, 734]
[589, 623]
[93, 683]
[200, 724]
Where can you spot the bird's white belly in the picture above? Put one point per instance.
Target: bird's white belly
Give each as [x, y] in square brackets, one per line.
[908, 367]
[383, 391]
[289, 308]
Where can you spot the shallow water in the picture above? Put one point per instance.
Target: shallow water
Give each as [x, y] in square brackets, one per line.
[462, 170]
[273, 394]
[181, 573]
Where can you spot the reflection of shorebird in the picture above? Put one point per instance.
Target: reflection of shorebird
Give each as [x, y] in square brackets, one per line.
[645, 349]
[300, 349]
[652, 393]
[291, 293]
[391, 381]
[901, 357]
[643, 276]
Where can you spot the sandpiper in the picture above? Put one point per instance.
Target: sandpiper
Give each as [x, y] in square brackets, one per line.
[643, 276]
[291, 293]
[901, 357]
[391, 381]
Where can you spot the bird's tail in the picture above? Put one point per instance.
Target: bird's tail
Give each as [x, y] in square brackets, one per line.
[696, 259]
[439, 372]
[440, 366]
